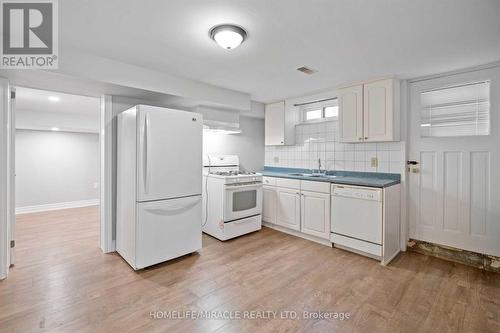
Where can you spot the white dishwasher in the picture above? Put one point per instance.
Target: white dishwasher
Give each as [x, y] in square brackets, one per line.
[357, 214]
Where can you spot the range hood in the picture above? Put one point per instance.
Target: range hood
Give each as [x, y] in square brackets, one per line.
[220, 121]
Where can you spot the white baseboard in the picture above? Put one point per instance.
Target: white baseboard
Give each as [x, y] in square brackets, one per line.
[56, 206]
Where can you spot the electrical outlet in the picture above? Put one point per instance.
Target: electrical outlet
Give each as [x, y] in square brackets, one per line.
[276, 159]
[374, 162]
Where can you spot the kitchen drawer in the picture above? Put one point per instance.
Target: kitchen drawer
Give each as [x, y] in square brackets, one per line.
[242, 226]
[288, 183]
[269, 181]
[313, 186]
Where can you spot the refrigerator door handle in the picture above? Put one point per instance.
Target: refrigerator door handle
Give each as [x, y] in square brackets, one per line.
[146, 154]
[175, 209]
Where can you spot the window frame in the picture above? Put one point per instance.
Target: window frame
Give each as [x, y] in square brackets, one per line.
[315, 106]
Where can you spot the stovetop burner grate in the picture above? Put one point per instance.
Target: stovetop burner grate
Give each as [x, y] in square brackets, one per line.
[232, 173]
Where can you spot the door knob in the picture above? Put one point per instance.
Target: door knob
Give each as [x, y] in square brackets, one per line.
[412, 166]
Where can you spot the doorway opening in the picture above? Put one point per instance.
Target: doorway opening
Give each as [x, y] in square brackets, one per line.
[57, 176]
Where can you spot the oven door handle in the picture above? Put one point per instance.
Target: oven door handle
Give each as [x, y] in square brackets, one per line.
[238, 187]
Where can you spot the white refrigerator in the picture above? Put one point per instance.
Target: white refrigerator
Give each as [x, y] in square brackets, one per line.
[159, 180]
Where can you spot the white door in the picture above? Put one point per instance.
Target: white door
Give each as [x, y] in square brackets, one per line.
[315, 214]
[167, 229]
[169, 153]
[275, 124]
[269, 204]
[351, 114]
[288, 208]
[455, 196]
[378, 110]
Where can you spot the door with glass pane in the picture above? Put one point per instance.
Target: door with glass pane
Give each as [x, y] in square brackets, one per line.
[454, 136]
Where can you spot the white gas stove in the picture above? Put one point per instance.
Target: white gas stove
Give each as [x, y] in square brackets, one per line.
[232, 199]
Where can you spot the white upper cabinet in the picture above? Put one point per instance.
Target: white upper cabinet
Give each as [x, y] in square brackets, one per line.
[378, 111]
[279, 124]
[369, 112]
[275, 124]
[351, 113]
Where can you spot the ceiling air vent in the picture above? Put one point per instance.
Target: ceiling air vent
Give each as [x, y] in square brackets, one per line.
[306, 70]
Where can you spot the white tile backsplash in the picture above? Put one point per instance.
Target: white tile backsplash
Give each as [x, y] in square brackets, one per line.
[359, 156]
[320, 140]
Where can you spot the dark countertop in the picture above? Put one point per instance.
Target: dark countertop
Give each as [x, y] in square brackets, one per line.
[368, 179]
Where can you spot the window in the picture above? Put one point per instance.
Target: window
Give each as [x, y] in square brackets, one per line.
[326, 110]
[313, 114]
[461, 110]
[331, 111]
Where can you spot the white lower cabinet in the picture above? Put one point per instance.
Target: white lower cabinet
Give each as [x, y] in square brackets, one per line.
[315, 214]
[288, 208]
[303, 206]
[269, 197]
[361, 219]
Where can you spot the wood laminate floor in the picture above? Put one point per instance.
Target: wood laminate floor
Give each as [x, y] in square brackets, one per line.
[62, 282]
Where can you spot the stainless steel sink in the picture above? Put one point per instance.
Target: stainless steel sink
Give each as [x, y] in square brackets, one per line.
[312, 175]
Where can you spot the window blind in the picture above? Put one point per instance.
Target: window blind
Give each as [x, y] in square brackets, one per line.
[462, 110]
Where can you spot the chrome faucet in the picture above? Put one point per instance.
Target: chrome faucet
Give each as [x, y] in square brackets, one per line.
[319, 167]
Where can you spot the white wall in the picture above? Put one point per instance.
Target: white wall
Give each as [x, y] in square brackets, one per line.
[56, 167]
[248, 145]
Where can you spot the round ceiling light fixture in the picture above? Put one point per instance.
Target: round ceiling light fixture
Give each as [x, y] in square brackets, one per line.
[228, 36]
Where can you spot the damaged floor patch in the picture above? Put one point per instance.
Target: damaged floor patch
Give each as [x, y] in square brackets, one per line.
[478, 260]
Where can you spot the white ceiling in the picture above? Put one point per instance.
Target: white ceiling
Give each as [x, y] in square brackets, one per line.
[345, 40]
[38, 100]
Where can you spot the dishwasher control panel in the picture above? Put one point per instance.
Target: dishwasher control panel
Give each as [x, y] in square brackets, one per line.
[355, 192]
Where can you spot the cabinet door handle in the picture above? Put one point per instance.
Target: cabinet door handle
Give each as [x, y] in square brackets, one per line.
[366, 138]
[360, 139]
